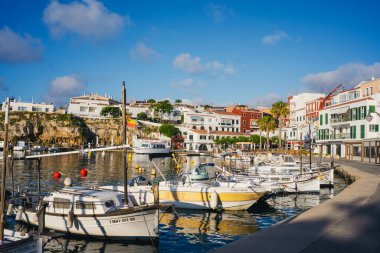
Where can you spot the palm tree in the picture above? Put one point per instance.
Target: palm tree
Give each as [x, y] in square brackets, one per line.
[178, 101]
[280, 111]
[267, 124]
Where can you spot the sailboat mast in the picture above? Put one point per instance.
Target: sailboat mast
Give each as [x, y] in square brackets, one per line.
[4, 172]
[124, 135]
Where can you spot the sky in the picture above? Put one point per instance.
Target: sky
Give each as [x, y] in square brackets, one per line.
[202, 52]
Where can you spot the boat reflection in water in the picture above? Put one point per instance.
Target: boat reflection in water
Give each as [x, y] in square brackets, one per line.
[65, 244]
[198, 222]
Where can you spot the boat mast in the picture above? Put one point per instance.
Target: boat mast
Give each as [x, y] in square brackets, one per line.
[4, 172]
[124, 135]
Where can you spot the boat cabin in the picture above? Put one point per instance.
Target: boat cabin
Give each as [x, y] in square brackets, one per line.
[83, 201]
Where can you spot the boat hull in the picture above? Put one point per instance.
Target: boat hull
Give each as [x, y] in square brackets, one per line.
[140, 224]
[228, 198]
[148, 151]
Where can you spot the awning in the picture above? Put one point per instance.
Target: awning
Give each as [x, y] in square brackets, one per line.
[341, 110]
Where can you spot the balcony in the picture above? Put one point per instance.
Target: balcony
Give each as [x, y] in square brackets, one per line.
[339, 120]
[340, 136]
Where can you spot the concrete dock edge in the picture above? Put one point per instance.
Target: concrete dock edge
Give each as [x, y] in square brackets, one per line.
[349, 222]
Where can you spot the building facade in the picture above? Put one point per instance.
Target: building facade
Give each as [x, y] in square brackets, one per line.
[18, 106]
[349, 126]
[249, 118]
[212, 121]
[297, 127]
[203, 140]
[90, 105]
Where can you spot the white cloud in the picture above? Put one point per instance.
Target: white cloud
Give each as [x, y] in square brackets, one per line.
[349, 74]
[274, 38]
[87, 18]
[194, 65]
[187, 63]
[218, 12]
[186, 83]
[266, 100]
[143, 52]
[15, 48]
[64, 87]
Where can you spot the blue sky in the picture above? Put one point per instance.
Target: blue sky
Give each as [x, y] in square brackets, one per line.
[215, 52]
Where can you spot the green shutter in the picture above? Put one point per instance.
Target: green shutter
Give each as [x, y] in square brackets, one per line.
[351, 114]
[362, 131]
[326, 118]
[354, 132]
[350, 132]
[371, 108]
[321, 120]
[376, 128]
[357, 113]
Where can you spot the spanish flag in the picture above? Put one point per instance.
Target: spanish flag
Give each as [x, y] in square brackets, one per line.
[131, 123]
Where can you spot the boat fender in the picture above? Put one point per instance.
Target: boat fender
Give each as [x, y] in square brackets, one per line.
[68, 182]
[10, 209]
[155, 193]
[214, 200]
[20, 210]
[70, 219]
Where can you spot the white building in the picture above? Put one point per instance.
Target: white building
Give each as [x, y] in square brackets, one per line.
[203, 140]
[297, 125]
[29, 107]
[212, 121]
[90, 105]
[349, 126]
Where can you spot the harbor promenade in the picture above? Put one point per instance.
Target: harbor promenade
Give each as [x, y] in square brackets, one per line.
[350, 222]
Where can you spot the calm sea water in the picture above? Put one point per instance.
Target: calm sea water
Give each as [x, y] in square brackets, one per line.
[180, 231]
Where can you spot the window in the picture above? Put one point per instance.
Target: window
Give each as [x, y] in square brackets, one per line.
[202, 137]
[353, 132]
[92, 109]
[21, 108]
[372, 108]
[82, 109]
[237, 121]
[326, 118]
[243, 122]
[46, 109]
[61, 203]
[252, 115]
[85, 205]
[371, 91]
[321, 120]
[36, 109]
[244, 114]
[363, 112]
[191, 137]
[373, 128]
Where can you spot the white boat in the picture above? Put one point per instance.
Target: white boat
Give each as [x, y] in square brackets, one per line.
[148, 146]
[15, 241]
[95, 213]
[20, 146]
[285, 164]
[39, 148]
[195, 190]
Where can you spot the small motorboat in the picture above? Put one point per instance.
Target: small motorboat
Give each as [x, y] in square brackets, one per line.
[93, 212]
[39, 148]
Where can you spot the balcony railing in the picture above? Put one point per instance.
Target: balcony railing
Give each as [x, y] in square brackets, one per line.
[339, 120]
[342, 136]
[337, 136]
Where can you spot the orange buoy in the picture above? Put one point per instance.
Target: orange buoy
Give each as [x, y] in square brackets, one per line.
[83, 172]
[57, 175]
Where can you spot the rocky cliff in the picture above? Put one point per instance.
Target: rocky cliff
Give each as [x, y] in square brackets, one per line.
[62, 129]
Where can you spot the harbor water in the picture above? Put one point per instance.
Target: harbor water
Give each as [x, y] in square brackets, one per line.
[180, 230]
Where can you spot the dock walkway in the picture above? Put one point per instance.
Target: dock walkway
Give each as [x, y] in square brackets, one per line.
[349, 222]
